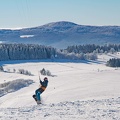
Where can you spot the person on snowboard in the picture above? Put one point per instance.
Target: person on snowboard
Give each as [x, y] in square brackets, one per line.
[39, 91]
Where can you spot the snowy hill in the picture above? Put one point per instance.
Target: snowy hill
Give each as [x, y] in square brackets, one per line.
[62, 34]
[79, 90]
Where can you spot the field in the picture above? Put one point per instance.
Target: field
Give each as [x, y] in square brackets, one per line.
[78, 90]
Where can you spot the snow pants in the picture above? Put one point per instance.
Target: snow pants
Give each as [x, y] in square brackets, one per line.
[38, 93]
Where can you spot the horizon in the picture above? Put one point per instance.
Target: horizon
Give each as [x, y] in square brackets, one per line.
[27, 14]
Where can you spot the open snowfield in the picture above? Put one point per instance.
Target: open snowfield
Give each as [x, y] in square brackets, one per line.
[79, 90]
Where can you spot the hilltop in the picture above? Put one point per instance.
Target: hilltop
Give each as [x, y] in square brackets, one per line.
[62, 34]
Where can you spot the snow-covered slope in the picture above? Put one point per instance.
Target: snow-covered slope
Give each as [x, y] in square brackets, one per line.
[79, 90]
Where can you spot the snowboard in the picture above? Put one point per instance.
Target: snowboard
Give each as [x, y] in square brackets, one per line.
[34, 96]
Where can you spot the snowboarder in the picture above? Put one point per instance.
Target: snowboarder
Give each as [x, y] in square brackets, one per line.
[39, 91]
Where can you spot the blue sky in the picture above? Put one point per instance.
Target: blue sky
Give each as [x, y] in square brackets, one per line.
[31, 13]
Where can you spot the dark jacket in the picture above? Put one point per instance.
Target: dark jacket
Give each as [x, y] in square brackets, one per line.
[44, 83]
[43, 86]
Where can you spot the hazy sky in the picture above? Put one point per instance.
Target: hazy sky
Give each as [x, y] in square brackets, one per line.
[31, 13]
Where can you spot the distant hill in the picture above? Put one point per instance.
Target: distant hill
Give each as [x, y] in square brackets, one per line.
[62, 34]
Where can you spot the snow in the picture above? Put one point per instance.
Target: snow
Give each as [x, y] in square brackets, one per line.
[79, 90]
[16, 28]
[26, 36]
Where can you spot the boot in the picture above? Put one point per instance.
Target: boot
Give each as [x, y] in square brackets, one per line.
[38, 102]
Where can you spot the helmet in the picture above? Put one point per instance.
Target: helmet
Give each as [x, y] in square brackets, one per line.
[45, 78]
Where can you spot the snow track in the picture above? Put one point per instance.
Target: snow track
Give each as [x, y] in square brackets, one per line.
[105, 109]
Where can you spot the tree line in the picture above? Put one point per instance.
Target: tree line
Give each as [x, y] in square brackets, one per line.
[114, 62]
[36, 52]
[90, 48]
[25, 52]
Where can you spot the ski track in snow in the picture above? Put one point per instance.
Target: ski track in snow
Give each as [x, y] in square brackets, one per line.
[105, 109]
